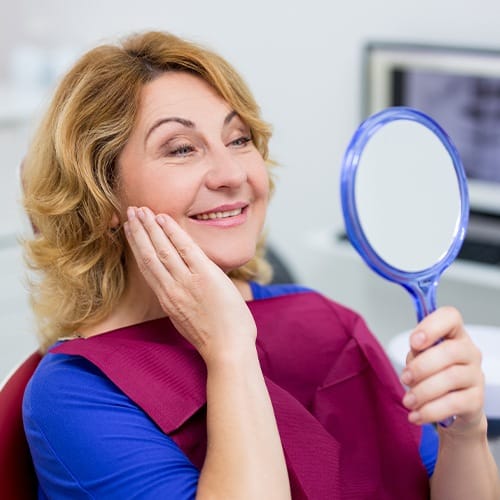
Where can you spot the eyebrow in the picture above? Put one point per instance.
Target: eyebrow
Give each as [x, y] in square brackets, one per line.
[184, 122]
[161, 121]
[230, 116]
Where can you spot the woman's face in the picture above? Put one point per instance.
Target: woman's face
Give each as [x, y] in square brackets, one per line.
[191, 156]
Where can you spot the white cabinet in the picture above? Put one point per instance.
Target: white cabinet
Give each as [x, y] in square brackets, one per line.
[334, 268]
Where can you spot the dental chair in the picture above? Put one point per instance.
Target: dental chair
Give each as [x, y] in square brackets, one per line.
[17, 476]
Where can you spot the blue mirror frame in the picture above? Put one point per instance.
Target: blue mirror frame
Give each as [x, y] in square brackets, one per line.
[420, 284]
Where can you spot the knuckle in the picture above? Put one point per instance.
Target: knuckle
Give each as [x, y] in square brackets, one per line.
[468, 351]
[454, 314]
[164, 304]
[453, 352]
[455, 404]
[146, 262]
[176, 297]
[183, 250]
[455, 374]
[450, 352]
[477, 399]
[199, 281]
[163, 255]
[426, 412]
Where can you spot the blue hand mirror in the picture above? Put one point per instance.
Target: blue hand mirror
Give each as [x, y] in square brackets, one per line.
[405, 200]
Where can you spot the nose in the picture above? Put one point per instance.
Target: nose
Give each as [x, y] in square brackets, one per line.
[225, 171]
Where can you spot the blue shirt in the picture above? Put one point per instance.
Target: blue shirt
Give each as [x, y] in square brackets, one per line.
[97, 443]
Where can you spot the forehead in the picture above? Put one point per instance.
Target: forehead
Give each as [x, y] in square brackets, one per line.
[179, 94]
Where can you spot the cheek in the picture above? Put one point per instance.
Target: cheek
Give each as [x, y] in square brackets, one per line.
[159, 192]
[263, 182]
[262, 193]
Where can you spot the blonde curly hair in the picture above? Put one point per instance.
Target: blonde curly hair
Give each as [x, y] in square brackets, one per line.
[70, 175]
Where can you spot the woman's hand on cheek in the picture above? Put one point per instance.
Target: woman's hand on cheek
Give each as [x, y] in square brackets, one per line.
[200, 299]
[443, 373]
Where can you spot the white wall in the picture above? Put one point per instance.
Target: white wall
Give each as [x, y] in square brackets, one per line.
[302, 60]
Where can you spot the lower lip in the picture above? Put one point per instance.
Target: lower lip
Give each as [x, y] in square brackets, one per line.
[235, 220]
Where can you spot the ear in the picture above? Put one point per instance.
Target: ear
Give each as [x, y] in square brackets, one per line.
[114, 222]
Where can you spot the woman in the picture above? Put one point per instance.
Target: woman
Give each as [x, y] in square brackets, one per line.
[171, 372]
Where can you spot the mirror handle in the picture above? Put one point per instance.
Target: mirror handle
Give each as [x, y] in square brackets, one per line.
[424, 297]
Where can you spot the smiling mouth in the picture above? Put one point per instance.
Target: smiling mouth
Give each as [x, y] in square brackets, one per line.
[219, 215]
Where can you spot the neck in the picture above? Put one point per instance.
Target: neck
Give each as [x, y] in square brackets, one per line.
[139, 304]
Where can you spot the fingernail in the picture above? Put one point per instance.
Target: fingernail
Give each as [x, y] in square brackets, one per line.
[126, 228]
[418, 339]
[131, 212]
[406, 377]
[141, 213]
[160, 219]
[409, 400]
[414, 417]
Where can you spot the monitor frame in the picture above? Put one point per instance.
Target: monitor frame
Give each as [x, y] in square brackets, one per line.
[382, 59]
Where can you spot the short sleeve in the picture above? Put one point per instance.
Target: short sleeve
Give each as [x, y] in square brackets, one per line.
[429, 444]
[260, 292]
[89, 440]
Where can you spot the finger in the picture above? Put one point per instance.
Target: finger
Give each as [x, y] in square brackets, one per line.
[445, 322]
[455, 378]
[409, 357]
[439, 357]
[463, 403]
[144, 253]
[189, 251]
[166, 252]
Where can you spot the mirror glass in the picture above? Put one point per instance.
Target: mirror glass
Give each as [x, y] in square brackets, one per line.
[407, 195]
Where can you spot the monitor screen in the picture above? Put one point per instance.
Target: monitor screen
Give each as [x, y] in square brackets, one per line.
[460, 89]
[467, 107]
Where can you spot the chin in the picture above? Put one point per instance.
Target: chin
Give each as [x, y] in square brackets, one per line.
[231, 262]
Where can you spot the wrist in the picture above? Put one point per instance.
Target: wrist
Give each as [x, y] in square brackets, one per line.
[234, 357]
[465, 430]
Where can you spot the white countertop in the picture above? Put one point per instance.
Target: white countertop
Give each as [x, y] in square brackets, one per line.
[461, 270]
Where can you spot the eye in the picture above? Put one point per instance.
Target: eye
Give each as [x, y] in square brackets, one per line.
[241, 141]
[182, 150]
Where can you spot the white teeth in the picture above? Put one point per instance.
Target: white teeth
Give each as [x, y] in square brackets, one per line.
[219, 215]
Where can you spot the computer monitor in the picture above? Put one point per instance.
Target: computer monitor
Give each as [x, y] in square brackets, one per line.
[460, 89]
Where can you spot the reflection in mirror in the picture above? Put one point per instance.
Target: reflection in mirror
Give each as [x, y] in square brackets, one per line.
[407, 195]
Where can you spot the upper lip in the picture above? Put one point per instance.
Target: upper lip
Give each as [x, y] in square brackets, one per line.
[222, 208]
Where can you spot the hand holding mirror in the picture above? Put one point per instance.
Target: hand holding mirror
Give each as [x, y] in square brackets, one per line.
[405, 201]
